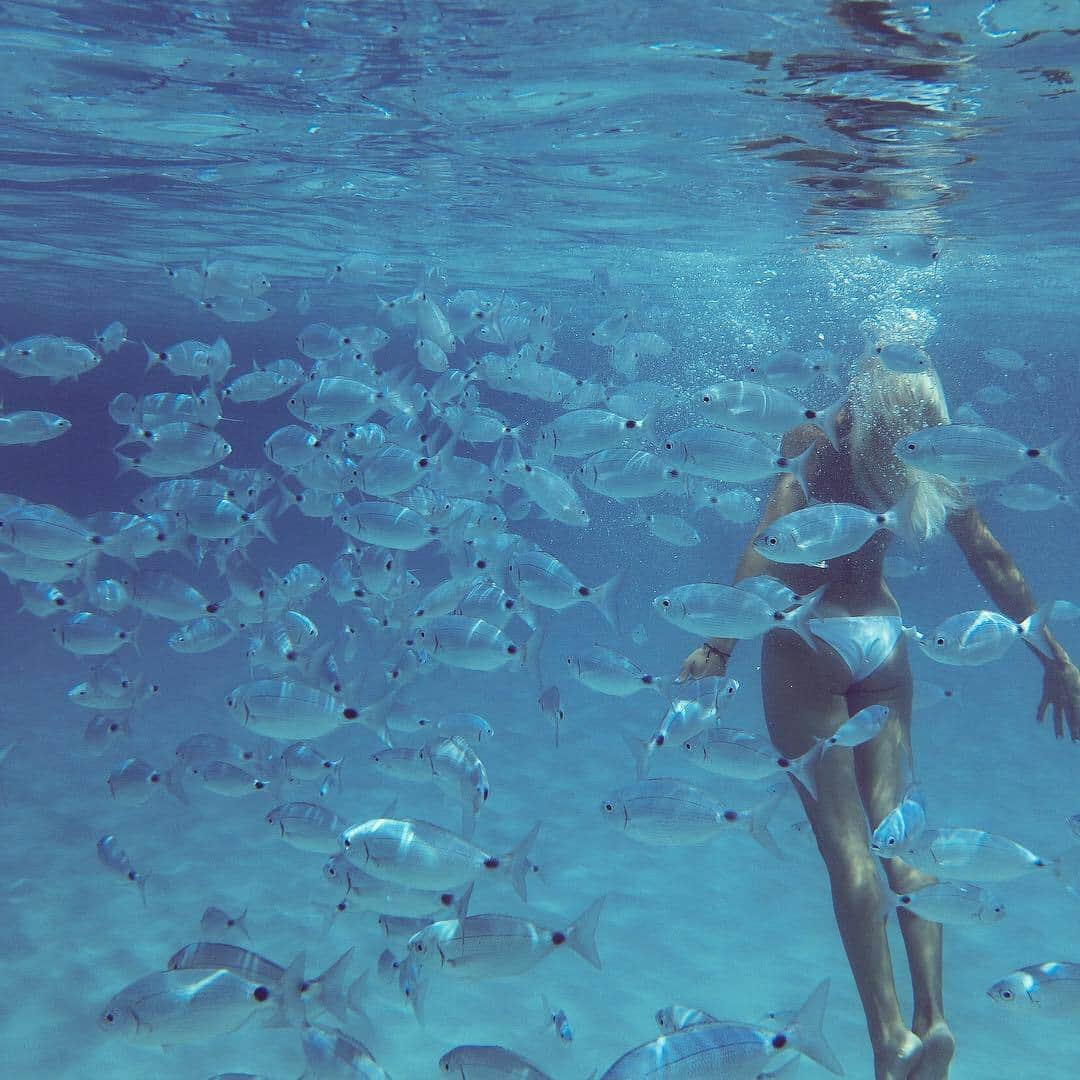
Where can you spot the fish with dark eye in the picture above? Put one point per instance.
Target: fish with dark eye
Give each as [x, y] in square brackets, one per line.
[218, 923]
[116, 860]
[134, 781]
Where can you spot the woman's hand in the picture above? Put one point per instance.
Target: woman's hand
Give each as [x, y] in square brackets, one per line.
[703, 661]
[1061, 694]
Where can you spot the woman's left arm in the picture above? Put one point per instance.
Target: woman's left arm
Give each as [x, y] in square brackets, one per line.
[1000, 576]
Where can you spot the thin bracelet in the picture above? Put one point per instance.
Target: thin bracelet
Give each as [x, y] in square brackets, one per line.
[710, 649]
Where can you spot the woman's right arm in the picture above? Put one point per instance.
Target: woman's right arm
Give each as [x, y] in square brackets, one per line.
[999, 575]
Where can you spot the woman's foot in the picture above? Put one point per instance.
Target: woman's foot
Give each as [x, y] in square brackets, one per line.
[898, 1060]
[938, 1046]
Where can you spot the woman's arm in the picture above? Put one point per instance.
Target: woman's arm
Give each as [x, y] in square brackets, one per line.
[991, 564]
[787, 496]
[1000, 576]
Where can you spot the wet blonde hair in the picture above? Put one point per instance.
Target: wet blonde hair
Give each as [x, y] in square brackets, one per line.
[885, 406]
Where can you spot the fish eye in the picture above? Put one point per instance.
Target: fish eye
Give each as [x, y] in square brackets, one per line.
[109, 1018]
[912, 446]
[772, 541]
[891, 842]
[609, 808]
[1006, 995]
[939, 641]
[665, 602]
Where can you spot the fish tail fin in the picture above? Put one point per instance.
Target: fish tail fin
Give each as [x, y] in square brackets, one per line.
[1033, 630]
[124, 464]
[899, 518]
[642, 752]
[785, 1072]
[141, 881]
[152, 358]
[520, 863]
[804, 768]
[260, 520]
[530, 655]
[581, 933]
[799, 619]
[799, 467]
[293, 986]
[759, 823]
[826, 420]
[241, 923]
[805, 1030]
[461, 905]
[605, 597]
[174, 782]
[1053, 456]
[413, 987]
[333, 994]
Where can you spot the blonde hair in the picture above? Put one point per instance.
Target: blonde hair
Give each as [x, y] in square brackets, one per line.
[885, 406]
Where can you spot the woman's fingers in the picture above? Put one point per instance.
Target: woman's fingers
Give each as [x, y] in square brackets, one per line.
[1040, 712]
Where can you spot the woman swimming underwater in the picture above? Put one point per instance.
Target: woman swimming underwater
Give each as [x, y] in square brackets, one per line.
[808, 694]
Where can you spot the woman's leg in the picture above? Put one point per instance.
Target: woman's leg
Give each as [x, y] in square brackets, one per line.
[802, 701]
[883, 769]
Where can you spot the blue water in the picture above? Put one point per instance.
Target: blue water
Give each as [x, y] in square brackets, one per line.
[721, 171]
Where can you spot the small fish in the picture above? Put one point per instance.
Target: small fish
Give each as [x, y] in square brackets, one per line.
[426, 856]
[543, 580]
[104, 729]
[971, 454]
[709, 610]
[668, 812]
[225, 778]
[907, 250]
[134, 780]
[550, 704]
[560, 1022]
[864, 726]
[673, 529]
[217, 923]
[27, 428]
[952, 903]
[972, 638]
[903, 359]
[812, 536]
[478, 1062]
[308, 826]
[728, 1048]
[744, 755]
[901, 827]
[1051, 989]
[478, 946]
[113, 337]
[1004, 359]
[1028, 497]
[765, 410]
[609, 672]
[993, 395]
[971, 855]
[463, 725]
[115, 859]
[171, 1007]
